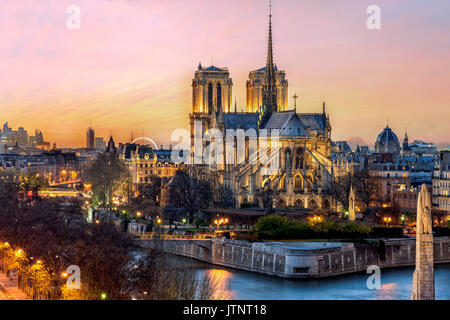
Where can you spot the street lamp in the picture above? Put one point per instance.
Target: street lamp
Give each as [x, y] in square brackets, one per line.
[220, 222]
[403, 221]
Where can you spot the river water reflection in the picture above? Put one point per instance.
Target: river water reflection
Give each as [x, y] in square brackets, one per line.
[396, 284]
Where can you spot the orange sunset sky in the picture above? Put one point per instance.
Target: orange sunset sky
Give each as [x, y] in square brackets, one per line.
[130, 66]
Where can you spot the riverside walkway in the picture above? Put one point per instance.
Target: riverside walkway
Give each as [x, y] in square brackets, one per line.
[9, 290]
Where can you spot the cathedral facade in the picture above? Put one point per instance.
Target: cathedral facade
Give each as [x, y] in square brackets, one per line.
[300, 142]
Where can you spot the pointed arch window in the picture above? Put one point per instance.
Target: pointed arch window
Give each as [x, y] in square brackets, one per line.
[219, 96]
[299, 158]
[210, 98]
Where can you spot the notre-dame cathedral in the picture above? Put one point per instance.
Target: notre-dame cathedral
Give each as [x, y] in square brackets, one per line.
[304, 171]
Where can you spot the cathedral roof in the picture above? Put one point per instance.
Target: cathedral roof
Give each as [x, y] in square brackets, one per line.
[275, 68]
[213, 68]
[241, 121]
[314, 121]
[288, 123]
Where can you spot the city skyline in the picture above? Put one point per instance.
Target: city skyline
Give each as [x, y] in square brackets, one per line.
[135, 76]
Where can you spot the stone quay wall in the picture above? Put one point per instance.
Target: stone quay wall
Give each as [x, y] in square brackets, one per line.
[283, 260]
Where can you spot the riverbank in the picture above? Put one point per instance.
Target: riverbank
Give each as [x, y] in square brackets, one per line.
[301, 259]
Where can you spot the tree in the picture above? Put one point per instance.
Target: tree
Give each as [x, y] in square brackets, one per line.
[189, 193]
[34, 182]
[340, 188]
[54, 232]
[106, 174]
[148, 199]
[160, 276]
[367, 188]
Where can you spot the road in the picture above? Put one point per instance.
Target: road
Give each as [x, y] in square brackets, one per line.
[8, 289]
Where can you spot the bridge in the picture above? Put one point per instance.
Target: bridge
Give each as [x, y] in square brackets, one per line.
[199, 249]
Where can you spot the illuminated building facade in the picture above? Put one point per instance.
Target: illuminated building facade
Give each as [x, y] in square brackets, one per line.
[304, 139]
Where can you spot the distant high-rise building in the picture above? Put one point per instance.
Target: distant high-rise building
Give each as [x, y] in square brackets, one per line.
[90, 138]
[6, 129]
[100, 143]
[22, 137]
[39, 137]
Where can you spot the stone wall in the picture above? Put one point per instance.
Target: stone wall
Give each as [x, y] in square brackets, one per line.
[289, 262]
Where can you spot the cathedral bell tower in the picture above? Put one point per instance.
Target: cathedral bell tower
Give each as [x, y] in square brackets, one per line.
[211, 90]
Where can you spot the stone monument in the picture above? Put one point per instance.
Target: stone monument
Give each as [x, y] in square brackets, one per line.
[423, 278]
[351, 205]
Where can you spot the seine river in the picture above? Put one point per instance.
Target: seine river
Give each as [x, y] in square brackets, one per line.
[395, 285]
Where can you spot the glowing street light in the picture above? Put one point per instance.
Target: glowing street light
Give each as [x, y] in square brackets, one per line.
[220, 221]
[138, 213]
[103, 296]
[64, 274]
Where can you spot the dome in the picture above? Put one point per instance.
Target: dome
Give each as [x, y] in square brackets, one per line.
[387, 142]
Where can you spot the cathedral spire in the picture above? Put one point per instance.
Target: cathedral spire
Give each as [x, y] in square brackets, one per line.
[269, 64]
[270, 89]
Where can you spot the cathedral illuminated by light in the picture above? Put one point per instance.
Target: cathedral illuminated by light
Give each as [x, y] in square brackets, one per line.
[304, 174]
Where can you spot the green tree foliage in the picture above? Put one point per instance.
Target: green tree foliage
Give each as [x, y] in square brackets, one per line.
[282, 227]
[34, 182]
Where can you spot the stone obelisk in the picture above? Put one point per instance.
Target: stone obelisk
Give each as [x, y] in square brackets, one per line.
[423, 279]
[351, 205]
